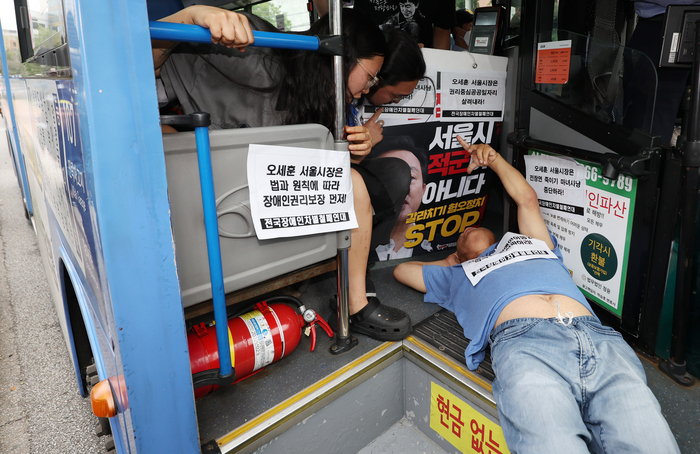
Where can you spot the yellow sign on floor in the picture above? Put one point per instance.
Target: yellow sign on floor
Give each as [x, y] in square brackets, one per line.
[457, 422]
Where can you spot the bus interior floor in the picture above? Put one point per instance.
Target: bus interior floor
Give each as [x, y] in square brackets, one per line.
[228, 408]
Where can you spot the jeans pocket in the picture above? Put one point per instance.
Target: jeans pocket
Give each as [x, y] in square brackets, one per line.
[511, 332]
[602, 329]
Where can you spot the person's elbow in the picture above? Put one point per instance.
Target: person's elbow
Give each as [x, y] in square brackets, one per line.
[400, 273]
[527, 198]
[411, 275]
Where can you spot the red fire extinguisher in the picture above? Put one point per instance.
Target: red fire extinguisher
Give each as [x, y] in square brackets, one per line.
[257, 338]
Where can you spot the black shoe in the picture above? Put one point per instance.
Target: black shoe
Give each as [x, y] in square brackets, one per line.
[376, 321]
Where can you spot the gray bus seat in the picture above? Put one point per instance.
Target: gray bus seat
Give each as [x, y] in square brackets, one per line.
[246, 260]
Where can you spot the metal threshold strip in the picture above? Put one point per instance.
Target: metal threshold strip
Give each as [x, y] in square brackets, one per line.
[282, 416]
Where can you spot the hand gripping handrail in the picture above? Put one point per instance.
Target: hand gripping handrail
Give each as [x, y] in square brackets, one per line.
[168, 31]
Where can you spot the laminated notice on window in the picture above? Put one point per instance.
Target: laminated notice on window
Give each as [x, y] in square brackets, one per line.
[553, 60]
[591, 218]
[560, 182]
[299, 191]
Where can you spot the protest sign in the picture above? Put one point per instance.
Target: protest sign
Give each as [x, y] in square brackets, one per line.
[299, 191]
[462, 95]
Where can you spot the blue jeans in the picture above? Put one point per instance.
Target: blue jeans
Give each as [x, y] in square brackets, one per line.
[573, 389]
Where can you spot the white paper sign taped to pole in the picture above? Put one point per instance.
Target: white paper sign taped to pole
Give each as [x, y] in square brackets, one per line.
[299, 191]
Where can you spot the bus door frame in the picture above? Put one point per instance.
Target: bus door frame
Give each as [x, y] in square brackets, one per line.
[650, 240]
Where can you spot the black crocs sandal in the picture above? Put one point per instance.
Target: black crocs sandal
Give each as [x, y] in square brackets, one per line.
[379, 321]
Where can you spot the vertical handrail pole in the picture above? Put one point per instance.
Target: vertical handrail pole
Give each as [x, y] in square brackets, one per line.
[343, 339]
[211, 226]
[336, 23]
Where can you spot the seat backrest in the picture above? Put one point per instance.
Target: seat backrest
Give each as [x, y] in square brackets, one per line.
[246, 260]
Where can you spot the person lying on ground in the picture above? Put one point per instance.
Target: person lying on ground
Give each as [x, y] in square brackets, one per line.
[564, 383]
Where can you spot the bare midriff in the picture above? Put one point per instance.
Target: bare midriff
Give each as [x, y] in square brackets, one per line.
[541, 306]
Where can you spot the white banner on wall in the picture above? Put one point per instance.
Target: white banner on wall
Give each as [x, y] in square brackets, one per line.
[299, 191]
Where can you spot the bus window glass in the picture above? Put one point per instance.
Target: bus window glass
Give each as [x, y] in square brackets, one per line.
[11, 38]
[471, 5]
[285, 15]
[592, 84]
[48, 27]
[515, 9]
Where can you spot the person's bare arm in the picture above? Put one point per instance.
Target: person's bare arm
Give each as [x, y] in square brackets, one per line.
[530, 220]
[411, 273]
[227, 28]
[441, 38]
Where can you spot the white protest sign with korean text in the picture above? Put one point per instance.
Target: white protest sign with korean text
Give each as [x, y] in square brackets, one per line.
[595, 246]
[299, 191]
[560, 182]
[477, 96]
[512, 248]
[452, 90]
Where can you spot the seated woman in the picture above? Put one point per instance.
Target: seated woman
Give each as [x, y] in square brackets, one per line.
[263, 87]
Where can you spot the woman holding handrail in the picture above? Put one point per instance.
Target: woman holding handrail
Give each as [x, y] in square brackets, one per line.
[242, 86]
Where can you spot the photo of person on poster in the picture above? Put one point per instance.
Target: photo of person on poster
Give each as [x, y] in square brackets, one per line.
[405, 148]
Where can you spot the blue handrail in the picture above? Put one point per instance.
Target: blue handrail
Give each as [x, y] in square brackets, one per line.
[195, 34]
[211, 227]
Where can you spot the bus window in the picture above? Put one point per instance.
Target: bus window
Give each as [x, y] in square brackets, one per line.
[286, 15]
[48, 30]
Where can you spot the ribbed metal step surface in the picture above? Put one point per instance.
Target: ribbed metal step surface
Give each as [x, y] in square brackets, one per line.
[443, 331]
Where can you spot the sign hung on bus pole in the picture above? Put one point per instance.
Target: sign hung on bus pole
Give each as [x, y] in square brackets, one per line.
[591, 218]
[462, 95]
[299, 191]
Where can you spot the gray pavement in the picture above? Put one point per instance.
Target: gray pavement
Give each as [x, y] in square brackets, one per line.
[40, 408]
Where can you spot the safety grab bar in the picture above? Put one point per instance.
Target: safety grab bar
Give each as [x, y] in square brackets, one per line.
[195, 34]
[201, 121]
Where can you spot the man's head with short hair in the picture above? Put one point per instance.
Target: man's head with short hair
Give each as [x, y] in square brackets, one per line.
[473, 241]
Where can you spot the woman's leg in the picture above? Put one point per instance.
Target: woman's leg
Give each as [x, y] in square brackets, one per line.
[369, 316]
[359, 250]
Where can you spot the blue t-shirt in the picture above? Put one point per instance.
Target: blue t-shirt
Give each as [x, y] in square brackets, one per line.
[477, 307]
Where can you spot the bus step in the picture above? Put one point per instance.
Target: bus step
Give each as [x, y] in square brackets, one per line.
[443, 331]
